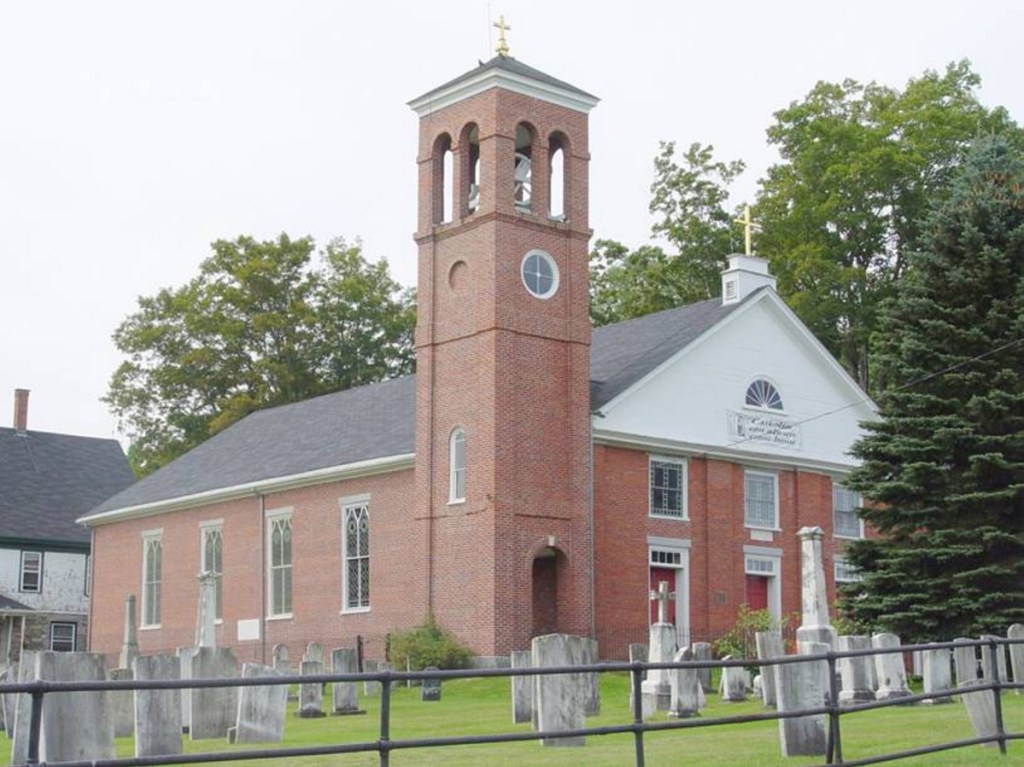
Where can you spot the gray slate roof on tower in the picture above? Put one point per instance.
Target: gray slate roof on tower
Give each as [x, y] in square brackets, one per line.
[508, 64]
[379, 420]
[49, 480]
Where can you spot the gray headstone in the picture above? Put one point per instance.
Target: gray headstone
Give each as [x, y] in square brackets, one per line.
[799, 686]
[206, 607]
[965, 662]
[637, 653]
[522, 689]
[130, 646]
[815, 625]
[77, 726]
[734, 683]
[702, 651]
[1016, 632]
[311, 696]
[122, 704]
[213, 709]
[314, 652]
[22, 710]
[892, 674]
[558, 698]
[157, 712]
[261, 710]
[656, 688]
[10, 701]
[185, 655]
[431, 688]
[344, 695]
[282, 661]
[769, 645]
[371, 686]
[986, 660]
[937, 674]
[981, 710]
[685, 687]
[855, 672]
[592, 680]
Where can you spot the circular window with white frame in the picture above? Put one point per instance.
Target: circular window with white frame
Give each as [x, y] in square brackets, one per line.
[540, 274]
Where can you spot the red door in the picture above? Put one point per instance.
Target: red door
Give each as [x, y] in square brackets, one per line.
[756, 595]
[663, 575]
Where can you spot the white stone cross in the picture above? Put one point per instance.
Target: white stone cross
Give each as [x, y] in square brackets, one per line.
[663, 595]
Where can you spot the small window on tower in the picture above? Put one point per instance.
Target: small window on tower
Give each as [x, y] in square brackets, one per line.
[444, 184]
[471, 142]
[523, 167]
[556, 177]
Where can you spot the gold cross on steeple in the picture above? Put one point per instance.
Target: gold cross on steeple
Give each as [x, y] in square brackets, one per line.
[749, 227]
[502, 47]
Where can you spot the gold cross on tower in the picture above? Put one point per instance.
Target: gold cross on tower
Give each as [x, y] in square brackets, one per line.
[749, 227]
[502, 47]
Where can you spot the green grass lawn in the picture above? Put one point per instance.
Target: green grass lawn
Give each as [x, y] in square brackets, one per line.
[482, 706]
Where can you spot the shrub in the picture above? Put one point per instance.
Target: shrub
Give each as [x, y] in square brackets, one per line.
[739, 641]
[427, 645]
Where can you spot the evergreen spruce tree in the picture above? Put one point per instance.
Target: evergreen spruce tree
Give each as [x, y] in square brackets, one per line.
[942, 471]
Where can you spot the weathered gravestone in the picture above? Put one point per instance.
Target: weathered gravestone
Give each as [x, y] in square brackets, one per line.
[769, 645]
[591, 680]
[981, 705]
[77, 726]
[637, 654]
[965, 662]
[157, 712]
[733, 686]
[122, 704]
[344, 695]
[522, 688]
[685, 687]
[261, 710]
[22, 708]
[206, 618]
[130, 644]
[311, 694]
[937, 675]
[656, 689]
[282, 661]
[372, 686]
[185, 655]
[1016, 632]
[855, 672]
[558, 698]
[815, 625]
[431, 688]
[9, 700]
[213, 709]
[702, 651]
[800, 686]
[987, 653]
[892, 674]
[315, 653]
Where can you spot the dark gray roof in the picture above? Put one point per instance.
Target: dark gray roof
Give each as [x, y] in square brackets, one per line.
[6, 603]
[379, 420]
[49, 480]
[623, 353]
[508, 64]
[359, 424]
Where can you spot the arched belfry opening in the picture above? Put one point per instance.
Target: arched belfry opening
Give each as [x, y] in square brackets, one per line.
[549, 565]
[469, 149]
[523, 189]
[558, 191]
[444, 182]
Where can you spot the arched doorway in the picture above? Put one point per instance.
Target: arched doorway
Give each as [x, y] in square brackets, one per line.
[546, 565]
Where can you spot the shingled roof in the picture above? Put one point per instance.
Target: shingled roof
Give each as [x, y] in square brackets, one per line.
[379, 420]
[505, 64]
[49, 480]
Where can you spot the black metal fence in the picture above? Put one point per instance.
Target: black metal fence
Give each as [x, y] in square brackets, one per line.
[384, 745]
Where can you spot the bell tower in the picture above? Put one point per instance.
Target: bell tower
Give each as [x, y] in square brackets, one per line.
[502, 343]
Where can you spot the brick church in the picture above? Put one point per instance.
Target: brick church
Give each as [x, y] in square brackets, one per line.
[535, 474]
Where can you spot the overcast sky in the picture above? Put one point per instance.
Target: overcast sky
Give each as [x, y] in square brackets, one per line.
[133, 134]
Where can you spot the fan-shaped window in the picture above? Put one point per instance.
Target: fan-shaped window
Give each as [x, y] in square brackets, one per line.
[761, 393]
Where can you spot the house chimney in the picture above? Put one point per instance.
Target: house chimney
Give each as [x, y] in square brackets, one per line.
[744, 275]
[21, 409]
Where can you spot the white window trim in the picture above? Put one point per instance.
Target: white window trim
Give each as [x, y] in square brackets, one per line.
[147, 536]
[836, 483]
[679, 546]
[453, 497]
[347, 503]
[204, 528]
[74, 635]
[774, 580]
[761, 408]
[21, 572]
[684, 468]
[775, 480]
[271, 516]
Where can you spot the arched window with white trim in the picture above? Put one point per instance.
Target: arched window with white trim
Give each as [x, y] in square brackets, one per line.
[457, 466]
[762, 393]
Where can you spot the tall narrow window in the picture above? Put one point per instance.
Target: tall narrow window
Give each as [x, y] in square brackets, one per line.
[556, 177]
[356, 545]
[522, 191]
[280, 565]
[760, 500]
[443, 183]
[31, 571]
[88, 573]
[457, 466]
[844, 512]
[152, 575]
[213, 562]
[471, 168]
[668, 488]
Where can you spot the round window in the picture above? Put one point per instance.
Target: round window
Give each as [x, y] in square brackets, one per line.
[540, 274]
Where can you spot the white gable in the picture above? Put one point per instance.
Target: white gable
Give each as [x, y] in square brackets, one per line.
[696, 400]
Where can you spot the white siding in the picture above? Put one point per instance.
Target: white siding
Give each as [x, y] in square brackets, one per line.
[63, 581]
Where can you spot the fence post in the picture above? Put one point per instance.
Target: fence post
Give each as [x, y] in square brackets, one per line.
[35, 727]
[385, 718]
[997, 691]
[835, 742]
[638, 712]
